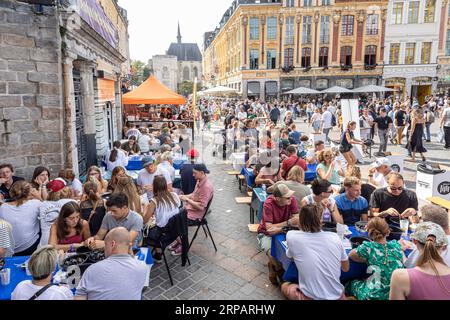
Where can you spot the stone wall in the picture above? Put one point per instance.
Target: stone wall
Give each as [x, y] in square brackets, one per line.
[31, 111]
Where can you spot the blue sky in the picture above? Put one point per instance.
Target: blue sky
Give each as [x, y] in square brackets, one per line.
[153, 24]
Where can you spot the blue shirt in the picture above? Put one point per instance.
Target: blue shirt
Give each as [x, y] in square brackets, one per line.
[188, 181]
[295, 135]
[351, 211]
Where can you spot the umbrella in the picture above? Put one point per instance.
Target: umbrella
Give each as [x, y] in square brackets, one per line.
[220, 90]
[302, 90]
[337, 90]
[372, 88]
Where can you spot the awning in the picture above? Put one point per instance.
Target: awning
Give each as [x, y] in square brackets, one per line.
[152, 92]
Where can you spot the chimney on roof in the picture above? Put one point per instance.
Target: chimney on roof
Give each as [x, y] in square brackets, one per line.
[179, 33]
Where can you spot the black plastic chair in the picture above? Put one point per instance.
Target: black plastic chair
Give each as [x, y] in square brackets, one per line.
[204, 224]
[167, 237]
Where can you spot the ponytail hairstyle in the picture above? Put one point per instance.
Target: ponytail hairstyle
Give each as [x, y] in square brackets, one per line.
[115, 151]
[20, 191]
[90, 188]
[430, 254]
[378, 229]
[350, 124]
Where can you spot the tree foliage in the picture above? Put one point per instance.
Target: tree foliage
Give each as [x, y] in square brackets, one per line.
[139, 72]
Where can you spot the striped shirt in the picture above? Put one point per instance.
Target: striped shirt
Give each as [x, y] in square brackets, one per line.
[6, 238]
[351, 211]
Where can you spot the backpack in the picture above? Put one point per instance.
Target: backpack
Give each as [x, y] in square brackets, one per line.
[333, 120]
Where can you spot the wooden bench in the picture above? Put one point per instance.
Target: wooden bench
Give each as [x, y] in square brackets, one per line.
[243, 200]
[440, 202]
[242, 182]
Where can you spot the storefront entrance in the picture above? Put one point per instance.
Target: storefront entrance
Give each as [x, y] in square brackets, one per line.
[79, 116]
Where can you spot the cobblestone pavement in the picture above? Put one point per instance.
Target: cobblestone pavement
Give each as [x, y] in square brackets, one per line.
[237, 270]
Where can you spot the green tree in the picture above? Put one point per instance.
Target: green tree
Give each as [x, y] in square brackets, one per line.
[186, 88]
[139, 72]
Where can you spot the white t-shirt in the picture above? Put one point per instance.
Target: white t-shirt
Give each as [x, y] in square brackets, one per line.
[415, 254]
[381, 180]
[77, 186]
[24, 221]
[144, 142]
[48, 213]
[326, 118]
[318, 258]
[169, 168]
[26, 289]
[242, 115]
[145, 178]
[121, 160]
[163, 212]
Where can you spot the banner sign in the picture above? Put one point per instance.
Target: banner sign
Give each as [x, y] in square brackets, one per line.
[91, 12]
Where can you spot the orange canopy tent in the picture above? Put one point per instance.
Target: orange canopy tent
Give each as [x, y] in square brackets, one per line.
[151, 91]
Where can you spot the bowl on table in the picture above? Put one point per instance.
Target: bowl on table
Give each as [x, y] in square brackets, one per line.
[329, 226]
[357, 241]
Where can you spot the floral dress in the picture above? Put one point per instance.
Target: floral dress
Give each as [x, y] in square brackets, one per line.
[382, 261]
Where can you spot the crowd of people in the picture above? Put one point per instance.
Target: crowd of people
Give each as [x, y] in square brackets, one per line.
[49, 218]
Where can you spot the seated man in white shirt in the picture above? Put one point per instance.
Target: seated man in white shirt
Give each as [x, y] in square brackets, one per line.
[319, 256]
[119, 277]
[379, 172]
[311, 155]
[167, 164]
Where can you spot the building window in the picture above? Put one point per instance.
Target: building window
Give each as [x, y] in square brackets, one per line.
[254, 59]
[426, 52]
[324, 29]
[271, 28]
[306, 57]
[397, 13]
[289, 36]
[254, 28]
[290, 3]
[370, 58]
[326, 2]
[346, 56]
[413, 12]
[347, 25]
[165, 74]
[447, 47]
[307, 3]
[323, 57]
[271, 59]
[372, 24]
[430, 8]
[186, 76]
[394, 53]
[307, 21]
[288, 57]
[410, 53]
[195, 72]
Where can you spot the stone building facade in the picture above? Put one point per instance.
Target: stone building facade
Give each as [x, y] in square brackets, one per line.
[165, 69]
[62, 79]
[443, 68]
[264, 48]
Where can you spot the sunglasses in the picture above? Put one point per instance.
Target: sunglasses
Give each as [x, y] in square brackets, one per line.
[396, 189]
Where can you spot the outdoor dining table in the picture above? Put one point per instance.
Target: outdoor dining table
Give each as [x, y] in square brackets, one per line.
[19, 274]
[258, 198]
[135, 162]
[278, 251]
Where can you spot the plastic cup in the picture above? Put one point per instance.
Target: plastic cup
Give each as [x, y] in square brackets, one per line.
[404, 225]
[5, 276]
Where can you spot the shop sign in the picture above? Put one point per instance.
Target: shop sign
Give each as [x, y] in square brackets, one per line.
[423, 81]
[92, 13]
[444, 188]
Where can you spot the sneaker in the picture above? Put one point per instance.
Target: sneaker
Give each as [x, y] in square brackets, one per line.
[178, 250]
[157, 257]
[173, 246]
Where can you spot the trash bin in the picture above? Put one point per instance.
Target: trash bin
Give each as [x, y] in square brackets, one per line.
[432, 181]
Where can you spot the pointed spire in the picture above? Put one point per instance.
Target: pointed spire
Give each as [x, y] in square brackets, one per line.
[179, 33]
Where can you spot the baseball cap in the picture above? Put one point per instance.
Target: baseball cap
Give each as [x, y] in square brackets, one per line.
[282, 191]
[56, 185]
[426, 229]
[147, 160]
[201, 167]
[381, 162]
[193, 153]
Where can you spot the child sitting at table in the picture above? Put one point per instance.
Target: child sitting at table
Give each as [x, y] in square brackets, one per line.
[382, 257]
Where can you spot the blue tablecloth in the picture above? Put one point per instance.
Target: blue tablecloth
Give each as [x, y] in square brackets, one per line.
[278, 251]
[17, 275]
[178, 162]
[311, 174]
[258, 199]
[249, 176]
[134, 163]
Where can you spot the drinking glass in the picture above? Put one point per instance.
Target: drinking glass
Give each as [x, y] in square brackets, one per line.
[404, 225]
[5, 276]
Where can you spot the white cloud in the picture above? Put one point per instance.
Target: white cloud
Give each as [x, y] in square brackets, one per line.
[153, 24]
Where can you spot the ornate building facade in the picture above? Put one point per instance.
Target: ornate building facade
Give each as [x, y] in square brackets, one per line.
[264, 48]
[412, 44]
[443, 72]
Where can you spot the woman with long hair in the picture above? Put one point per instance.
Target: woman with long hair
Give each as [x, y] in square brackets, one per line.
[117, 173]
[95, 174]
[69, 231]
[430, 279]
[126, 185]
[41, 176]
[380, 255]
[23, 215]
[92, 208]
[131, 146]
[116, 157]
[164, 205]
[416, 135]
[328, 168]
[347, 141]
